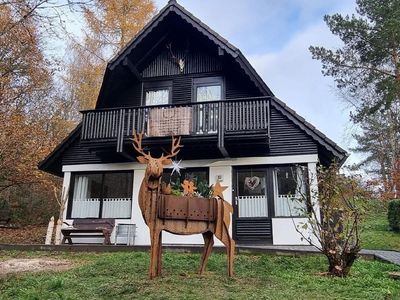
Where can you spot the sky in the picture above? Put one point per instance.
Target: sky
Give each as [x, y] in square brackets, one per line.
[275, 36]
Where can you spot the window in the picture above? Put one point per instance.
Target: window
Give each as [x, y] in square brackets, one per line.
[208, 89]
[157, 92]
[290, 191]
[251, 194]
[101, 195]
[157, 97]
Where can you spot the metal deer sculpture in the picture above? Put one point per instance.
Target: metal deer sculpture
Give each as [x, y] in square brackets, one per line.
[179, 214]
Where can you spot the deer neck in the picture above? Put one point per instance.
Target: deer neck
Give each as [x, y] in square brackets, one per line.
[149, 191]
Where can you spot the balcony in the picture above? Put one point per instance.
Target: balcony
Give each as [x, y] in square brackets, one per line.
[223, 123]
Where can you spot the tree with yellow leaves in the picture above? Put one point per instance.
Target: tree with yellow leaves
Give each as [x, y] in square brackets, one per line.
[110, 25]
[32, 119]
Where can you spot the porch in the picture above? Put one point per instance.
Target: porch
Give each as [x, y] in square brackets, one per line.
[215, 124]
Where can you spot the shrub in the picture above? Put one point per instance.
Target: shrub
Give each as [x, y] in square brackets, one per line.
[394, 215]
[335, 219]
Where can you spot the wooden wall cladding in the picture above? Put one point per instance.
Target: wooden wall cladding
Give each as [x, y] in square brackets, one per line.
[197, 62]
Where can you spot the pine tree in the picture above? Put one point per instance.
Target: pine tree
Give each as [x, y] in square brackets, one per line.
[366, 70]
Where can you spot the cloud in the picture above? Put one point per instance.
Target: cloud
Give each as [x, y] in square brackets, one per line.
[296, 79]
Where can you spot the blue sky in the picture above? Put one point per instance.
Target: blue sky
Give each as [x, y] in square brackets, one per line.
[275, 35]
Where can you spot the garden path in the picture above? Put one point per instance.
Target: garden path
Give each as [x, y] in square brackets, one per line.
[384, 255]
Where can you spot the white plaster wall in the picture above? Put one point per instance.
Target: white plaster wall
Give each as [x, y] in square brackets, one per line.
[142, 232]
[65, 190]
[242, 161]
[284, 232]
[312, 175]
[225, 174]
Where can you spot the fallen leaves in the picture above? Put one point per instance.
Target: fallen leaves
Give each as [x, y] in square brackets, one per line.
[23, 235]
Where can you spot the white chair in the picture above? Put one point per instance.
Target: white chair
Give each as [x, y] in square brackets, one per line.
[126, 231]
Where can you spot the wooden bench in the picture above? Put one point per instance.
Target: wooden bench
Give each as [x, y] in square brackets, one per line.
[5, 221]
[89, 228]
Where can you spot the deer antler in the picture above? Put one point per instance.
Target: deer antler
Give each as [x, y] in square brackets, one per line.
[179, 61]
[175, 148]
[137, 144]
[169, 47]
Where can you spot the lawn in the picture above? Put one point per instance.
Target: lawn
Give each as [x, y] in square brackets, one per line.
[124, 276]
[376, 233]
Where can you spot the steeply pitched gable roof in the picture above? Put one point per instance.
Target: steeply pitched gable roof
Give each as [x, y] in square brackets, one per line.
[173, 7]
[221, 42]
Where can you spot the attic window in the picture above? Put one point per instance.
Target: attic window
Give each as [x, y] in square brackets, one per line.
[208, 89]
[157, 92]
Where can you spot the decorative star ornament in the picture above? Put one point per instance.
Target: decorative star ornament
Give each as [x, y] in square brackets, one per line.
[188, 187]
[218, 190]
[176, 167]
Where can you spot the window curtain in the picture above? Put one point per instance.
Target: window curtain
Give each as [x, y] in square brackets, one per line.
[157, 97]
[208, 114]
[117, 207]
[208, 93]
[290, 197]
[82, 205]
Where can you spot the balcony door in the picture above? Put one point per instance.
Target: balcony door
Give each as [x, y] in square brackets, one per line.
[205, 90]
[253, 203]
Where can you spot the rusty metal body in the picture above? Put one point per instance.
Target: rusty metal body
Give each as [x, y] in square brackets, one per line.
[191, 216]
[187, 208]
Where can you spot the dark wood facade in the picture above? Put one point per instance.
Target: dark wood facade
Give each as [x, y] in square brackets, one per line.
[248, 120]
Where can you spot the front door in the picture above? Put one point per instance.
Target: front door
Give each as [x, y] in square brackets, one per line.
[253, 204]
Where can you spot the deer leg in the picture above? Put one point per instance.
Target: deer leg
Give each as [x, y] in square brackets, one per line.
[208, 245]
[159, 259]
[155, 240]
[231, 254]
[230, 249]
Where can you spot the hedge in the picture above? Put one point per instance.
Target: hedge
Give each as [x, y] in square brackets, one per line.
[394, 215]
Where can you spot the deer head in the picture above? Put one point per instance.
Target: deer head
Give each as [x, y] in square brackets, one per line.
[179, 61]
[154, 169]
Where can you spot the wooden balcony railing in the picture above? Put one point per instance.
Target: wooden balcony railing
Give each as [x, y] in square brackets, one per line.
[192, 119]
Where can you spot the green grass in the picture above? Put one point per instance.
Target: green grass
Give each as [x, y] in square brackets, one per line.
[124, 276]
[376, 233]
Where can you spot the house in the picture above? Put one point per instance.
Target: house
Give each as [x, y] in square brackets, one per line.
[179, 77]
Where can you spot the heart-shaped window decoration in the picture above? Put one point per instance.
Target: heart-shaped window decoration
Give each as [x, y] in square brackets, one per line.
[252, 182]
